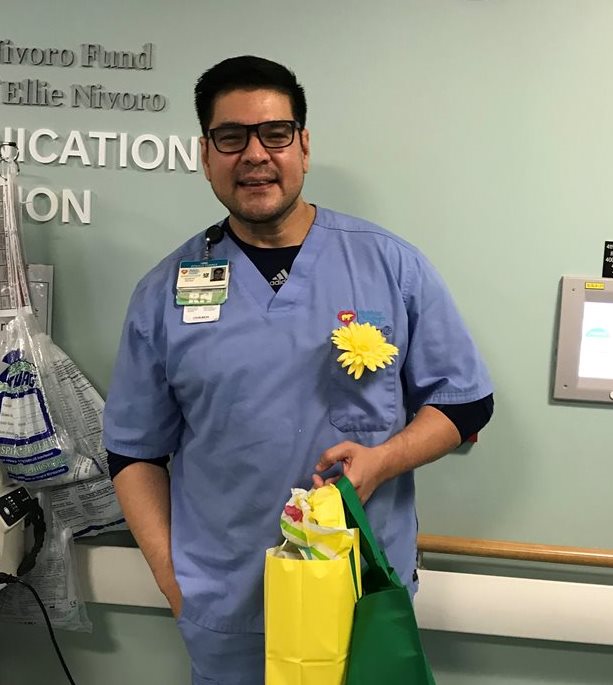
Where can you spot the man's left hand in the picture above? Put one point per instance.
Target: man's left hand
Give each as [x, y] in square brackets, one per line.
[363, 466]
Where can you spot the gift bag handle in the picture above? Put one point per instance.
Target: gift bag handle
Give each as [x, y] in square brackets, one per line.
[378, 564]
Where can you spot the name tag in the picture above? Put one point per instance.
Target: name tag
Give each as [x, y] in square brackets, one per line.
[201, 314]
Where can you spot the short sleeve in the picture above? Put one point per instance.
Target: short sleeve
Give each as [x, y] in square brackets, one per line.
[442, 364]
[141, 417]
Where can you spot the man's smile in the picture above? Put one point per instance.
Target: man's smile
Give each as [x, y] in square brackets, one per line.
[257, 181]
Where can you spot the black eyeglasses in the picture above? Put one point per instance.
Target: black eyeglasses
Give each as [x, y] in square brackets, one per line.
[235, 137]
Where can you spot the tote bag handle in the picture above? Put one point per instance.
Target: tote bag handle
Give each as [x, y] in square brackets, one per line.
[381, 574]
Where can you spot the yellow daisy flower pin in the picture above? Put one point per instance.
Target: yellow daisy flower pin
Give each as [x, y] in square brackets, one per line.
[364, 346]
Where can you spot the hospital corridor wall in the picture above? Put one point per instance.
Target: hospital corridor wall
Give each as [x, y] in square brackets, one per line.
[479, 131]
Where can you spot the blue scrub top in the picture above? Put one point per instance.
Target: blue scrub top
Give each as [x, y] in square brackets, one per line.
[248, 403]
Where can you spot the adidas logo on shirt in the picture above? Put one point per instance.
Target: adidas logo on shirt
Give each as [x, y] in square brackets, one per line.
[280, 278]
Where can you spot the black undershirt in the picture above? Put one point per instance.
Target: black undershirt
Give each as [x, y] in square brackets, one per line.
[275, 263]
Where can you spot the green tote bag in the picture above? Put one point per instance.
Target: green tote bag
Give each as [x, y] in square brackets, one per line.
[385, 646]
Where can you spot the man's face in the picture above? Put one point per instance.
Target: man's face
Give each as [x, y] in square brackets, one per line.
[258, 185]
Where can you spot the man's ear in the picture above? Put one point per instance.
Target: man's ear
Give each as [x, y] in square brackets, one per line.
[204, 156]
[305, 145]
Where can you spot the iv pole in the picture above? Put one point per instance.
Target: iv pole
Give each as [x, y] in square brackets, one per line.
[18, 290]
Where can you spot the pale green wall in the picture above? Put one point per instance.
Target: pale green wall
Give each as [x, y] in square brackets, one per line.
[480, 131]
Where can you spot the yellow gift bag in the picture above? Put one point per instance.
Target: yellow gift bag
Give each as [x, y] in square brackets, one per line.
[311, 584]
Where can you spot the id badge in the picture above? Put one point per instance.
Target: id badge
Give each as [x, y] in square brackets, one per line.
[202, 282]
[202, 274]
[201, 314]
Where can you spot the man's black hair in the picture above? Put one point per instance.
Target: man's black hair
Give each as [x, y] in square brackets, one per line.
[247, 73]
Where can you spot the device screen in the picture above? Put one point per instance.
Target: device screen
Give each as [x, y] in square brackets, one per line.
[596, 353]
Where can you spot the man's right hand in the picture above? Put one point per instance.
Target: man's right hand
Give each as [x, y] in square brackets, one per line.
[174, 597]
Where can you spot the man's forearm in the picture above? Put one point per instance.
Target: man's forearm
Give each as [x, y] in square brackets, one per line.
[143, 491]
[429, 436]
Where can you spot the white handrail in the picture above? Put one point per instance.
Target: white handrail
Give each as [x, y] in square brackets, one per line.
[458, 602]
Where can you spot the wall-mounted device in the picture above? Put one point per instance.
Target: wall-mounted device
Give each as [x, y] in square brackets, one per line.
[15, 505]
[584, 365]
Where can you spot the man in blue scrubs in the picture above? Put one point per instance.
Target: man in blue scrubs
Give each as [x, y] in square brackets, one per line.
[248, 396]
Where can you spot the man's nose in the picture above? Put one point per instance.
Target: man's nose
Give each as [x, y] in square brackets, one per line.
[255, 152]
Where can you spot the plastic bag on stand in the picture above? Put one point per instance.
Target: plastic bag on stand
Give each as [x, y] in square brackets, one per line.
[55, 579]
[44, 437]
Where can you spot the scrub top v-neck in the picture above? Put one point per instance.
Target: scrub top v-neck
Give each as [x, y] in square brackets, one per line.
[255, 286]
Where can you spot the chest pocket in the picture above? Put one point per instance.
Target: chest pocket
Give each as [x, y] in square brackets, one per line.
[368, 404]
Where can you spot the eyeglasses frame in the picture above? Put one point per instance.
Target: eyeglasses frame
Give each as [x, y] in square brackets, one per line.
[250, 128]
